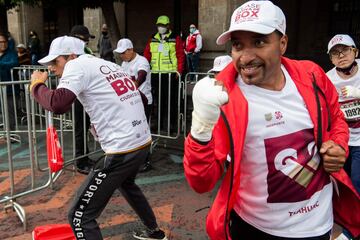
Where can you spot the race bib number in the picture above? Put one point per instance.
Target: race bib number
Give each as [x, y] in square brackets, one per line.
[351, 110]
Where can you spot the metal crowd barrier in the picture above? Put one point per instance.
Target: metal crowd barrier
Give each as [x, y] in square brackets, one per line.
[28, 151]
[191, 79]
[28, 154]
[166, 117]
[169, 89]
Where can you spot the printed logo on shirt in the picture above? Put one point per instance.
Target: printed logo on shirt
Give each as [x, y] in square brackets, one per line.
[120, 81]
[305, 209]
[294, 169]
[268, 116]
[277, 121]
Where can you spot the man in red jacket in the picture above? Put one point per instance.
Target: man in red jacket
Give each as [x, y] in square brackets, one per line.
[193, 45]
[281, 135]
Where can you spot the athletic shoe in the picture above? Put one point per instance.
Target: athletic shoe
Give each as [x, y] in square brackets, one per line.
[84, 165]
[150, 235]
[84, 169]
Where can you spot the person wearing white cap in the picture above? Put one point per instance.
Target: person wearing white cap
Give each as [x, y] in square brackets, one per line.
[113, 103]
[220, 63]
[139, 69]
[23, 54]
[278, 123]
[345, 76]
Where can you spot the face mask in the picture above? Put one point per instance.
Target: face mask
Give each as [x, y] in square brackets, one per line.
[162, 30]
[192, 30]
[104, 33]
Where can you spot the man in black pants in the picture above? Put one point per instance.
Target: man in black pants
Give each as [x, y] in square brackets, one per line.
[116, 110]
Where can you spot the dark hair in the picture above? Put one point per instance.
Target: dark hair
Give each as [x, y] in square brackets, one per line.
[279, 33]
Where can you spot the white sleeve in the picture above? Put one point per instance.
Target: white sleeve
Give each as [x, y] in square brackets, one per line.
[144, 65]
[73, 78]
[198, 43]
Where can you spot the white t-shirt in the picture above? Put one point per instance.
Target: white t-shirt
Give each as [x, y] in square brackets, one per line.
[349, 106]
[112, 101]
[133, 67]
[283, 189]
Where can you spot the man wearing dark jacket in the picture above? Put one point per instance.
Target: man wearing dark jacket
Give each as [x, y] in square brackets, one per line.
[8, 60]
[83, 164]
[104, 45]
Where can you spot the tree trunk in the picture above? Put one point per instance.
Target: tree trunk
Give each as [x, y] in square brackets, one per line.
[3, 19]
[107, 7]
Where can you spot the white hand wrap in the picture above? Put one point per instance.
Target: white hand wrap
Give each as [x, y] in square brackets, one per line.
[350, 91]
[207, 99]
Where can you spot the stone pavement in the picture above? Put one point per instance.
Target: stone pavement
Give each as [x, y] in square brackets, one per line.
[174, 203]
[180, 211]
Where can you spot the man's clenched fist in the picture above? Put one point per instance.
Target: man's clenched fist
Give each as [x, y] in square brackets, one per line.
[208, 96]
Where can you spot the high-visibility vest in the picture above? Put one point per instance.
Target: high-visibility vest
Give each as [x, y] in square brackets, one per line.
[163, 52]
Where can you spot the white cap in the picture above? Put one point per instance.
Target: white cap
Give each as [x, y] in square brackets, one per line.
[123, 45]
[220, 63]
[63, 46]
[21, 45]
[341, 39]
[255, 16]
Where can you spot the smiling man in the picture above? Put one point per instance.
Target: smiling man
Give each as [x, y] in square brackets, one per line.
[281, 136]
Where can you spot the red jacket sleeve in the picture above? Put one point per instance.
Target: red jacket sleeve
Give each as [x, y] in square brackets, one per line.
[204, 164]
[339, 131]
[180, 55]
[147, 53]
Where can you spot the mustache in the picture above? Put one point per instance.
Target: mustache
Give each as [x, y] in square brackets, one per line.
[253, 63]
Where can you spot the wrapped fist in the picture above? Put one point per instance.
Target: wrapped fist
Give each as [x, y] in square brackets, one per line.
[208, 96]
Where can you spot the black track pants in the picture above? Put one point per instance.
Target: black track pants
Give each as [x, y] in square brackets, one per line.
[111, 173]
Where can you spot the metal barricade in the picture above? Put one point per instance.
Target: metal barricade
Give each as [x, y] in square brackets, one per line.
[166, 117]
[27, 157]
[169, 121]
[191, 79]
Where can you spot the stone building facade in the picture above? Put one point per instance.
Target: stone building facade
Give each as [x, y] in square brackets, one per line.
[310, 23]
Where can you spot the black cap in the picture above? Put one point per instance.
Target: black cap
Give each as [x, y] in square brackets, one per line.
[81, 32]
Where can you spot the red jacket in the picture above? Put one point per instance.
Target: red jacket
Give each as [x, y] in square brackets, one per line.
[204, 164]
[191, 43]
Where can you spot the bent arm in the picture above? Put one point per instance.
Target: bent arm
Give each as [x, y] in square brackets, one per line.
[204, 162]
[339, 131]
[57, 101]
[198, 43]
[141, 77]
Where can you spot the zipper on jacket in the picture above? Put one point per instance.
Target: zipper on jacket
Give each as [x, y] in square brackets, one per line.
[318, 90]
[231, 141]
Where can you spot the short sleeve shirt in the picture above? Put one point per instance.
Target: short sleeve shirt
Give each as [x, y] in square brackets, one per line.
[349, 106]
[133, 67]
[112, 101]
